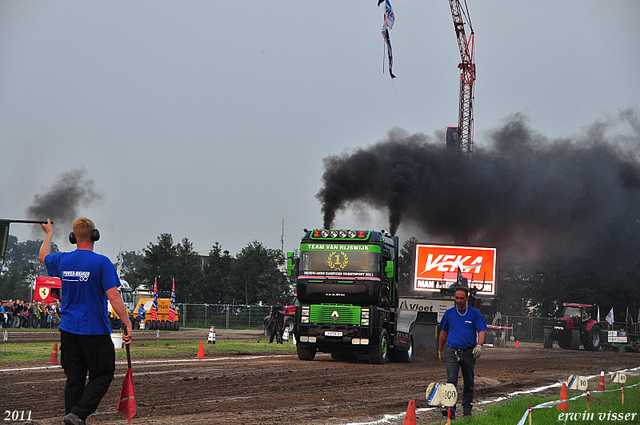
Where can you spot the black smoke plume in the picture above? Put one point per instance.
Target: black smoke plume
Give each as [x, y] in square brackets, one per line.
[62, 202]
[520, 191]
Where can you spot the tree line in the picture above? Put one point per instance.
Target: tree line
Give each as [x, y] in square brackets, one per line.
[540, 288]
[256, 275]
[253, 276]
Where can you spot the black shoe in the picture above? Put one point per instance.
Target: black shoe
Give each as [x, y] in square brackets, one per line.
[445, 413]
[73, 419]
[466, 413]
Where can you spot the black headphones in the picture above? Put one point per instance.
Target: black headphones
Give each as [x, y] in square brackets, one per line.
[95, 235]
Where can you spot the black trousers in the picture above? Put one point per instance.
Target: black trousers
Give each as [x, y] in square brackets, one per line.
[276, 331]
[455, 360]
[82, 354]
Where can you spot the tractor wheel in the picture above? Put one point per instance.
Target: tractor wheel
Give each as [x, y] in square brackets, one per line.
[306, 353]
[379, 353]
[564, 342]
[592, 343]
[548, 338]
[574, 342]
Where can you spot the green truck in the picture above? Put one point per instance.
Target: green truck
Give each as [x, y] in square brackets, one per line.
[348, 300]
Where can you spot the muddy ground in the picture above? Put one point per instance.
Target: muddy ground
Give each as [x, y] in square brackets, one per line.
[269, 389]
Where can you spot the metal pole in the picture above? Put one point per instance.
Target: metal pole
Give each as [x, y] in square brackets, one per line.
[30, 221]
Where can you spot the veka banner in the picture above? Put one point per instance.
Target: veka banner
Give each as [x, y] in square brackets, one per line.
[437, 267]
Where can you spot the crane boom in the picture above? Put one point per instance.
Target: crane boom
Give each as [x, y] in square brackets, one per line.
[463, 140]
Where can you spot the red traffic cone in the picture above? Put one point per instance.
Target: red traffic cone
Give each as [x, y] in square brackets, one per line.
[563, 396]
[517, 344]
[410, 417]
[200, 352]
[601, 383]
[54, 354]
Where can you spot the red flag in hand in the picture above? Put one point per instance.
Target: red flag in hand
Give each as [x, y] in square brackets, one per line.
[127, 401]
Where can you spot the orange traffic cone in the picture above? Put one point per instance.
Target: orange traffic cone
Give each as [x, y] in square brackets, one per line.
[563, 396]
[517, 344]
[601, 383]
[54, 354]
[200, 352]
[410, 417]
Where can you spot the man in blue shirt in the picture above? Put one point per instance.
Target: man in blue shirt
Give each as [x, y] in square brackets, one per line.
[88, 280]
[458, 329]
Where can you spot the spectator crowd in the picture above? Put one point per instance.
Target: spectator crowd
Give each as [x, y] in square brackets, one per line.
[22, 314]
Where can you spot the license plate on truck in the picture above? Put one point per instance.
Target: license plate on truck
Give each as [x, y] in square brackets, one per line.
[332, 333]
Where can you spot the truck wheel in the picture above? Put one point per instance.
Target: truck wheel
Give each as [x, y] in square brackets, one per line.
[574, 342]
[379, 353]
[592, 343]
[406, 356]
[176, 326]
[548, 338]
[306, 353]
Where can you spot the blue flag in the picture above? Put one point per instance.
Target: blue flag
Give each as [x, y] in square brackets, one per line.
[172, 307]
[389, 20]
[154, 307]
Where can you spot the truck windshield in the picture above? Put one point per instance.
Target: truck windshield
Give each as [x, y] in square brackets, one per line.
[127, 297]
[340, 263]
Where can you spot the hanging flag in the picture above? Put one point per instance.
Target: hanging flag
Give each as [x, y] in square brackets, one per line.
[629, 320]
[598, 318]
[609, 317]
[154, 306]
[172, 307]
[389, 20]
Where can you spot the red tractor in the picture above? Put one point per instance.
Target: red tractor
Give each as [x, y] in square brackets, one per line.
[575, 326]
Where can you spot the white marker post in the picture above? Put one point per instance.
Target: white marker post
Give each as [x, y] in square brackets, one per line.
[442, 395]
[619, 378]
[576, 382]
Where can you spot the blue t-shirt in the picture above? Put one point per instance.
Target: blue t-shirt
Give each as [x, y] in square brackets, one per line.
[86, 277]
[462, 328]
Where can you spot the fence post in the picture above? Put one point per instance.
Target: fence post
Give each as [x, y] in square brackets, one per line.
[531, 329]
[184, 316]
[228, 309]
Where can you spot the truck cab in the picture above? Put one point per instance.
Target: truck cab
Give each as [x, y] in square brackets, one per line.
[346, 286]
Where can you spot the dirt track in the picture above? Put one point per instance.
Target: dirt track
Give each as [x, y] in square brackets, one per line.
[267, 389]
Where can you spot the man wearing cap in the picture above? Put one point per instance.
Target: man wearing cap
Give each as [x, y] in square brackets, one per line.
[462, 328]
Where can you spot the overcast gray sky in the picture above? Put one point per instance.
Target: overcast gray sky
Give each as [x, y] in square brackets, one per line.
[209, 120]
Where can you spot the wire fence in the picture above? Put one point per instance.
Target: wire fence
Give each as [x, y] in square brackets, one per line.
[531, 328]
[222, 315]
[524, 328]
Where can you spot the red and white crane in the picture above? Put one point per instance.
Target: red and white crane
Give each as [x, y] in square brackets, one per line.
[460, 139]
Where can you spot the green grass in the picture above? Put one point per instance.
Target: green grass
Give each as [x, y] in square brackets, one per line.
[19, 352]
[603, 405]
